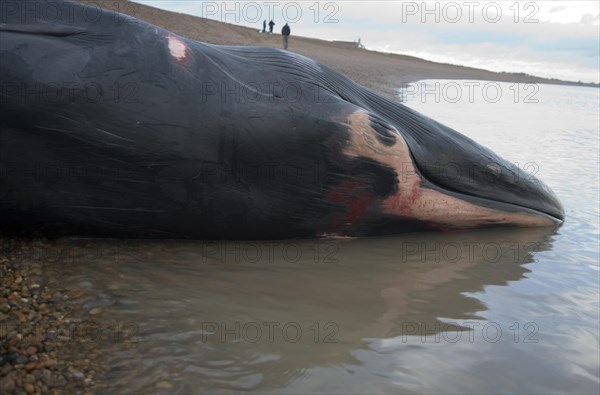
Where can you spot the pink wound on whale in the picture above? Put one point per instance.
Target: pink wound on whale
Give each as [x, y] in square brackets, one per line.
[177, 48]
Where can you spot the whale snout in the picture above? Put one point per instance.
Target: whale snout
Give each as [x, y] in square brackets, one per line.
[498, 185]
[475, 174]
[449, 181]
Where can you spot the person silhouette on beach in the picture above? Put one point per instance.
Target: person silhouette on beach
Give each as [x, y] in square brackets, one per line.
[285, 33]
[271, 24]
[264, 26]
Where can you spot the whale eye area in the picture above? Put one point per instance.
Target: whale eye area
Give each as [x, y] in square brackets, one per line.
[385, 133]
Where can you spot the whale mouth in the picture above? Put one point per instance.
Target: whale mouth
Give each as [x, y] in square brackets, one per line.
[448, 180]
[556, 216]
[475, 174]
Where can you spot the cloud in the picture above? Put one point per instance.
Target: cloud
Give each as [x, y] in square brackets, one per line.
[589, 19]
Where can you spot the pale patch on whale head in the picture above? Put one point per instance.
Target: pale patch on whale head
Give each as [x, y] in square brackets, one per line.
[179, 50]
[414, 201]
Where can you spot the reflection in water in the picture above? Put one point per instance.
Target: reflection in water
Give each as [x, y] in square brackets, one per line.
[264, 316]
[380, 315]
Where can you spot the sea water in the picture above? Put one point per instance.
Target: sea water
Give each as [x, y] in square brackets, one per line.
[493, 311]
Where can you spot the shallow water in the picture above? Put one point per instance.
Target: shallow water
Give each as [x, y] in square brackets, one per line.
[494, 311]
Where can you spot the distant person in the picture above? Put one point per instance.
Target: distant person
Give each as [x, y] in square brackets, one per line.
[264, 26]
[285, 33]
[271, 24]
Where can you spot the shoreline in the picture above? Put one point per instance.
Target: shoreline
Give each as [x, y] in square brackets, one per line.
[44, 336]
[381, 72]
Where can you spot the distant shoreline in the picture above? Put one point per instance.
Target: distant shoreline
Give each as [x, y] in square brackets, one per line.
[383, 72]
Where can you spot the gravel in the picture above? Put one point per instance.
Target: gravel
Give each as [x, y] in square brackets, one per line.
[39, 353]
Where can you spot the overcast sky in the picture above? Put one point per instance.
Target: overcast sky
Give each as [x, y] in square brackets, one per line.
[555, 39]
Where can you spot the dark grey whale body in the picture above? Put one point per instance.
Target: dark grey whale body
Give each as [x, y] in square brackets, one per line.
[114, 127]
